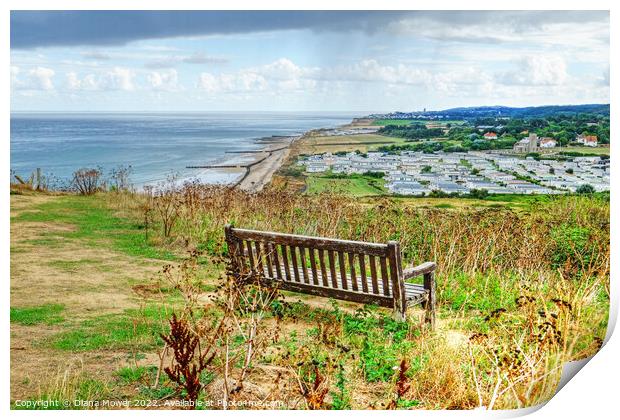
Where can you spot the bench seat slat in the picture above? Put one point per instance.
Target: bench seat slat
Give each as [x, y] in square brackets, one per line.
[411, 289]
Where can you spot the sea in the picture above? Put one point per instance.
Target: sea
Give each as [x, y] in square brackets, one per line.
[156, 146]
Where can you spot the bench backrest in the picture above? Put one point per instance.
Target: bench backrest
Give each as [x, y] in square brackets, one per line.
[350, 270]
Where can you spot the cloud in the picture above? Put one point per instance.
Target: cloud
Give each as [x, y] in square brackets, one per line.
[96, 55]
[166, 62]
[38, 78]
[117, 78]
[537, 71]
[202, 58]
[165, 81]
[31, 29]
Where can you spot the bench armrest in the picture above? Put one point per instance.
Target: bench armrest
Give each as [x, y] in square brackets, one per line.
[424, 268]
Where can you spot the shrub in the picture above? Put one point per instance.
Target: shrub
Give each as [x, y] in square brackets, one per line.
[586, 189]
[87, 181]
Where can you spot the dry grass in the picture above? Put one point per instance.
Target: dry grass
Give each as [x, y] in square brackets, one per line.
[520, 293]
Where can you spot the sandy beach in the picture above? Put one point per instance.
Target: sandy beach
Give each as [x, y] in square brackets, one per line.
[259, 173]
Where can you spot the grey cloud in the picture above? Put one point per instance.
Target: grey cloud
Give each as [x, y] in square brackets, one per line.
[96, 55]
[31, 29]
[202, 58]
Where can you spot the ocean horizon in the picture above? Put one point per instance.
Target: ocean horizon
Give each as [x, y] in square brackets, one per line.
[155, 144]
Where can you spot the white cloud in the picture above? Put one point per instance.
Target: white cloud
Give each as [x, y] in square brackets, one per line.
[165, 80]
[117, 78]
[38, 78]
[537, 71]
[14, 74]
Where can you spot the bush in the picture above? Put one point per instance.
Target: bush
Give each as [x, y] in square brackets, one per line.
[586, 189]
[87, 181]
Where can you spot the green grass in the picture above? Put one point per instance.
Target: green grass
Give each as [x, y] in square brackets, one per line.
[130, 375]
[49, 314]
[585, 150]
[132, 329]
[393, 122]
[355, 186]
[95, 224]
[75, 265]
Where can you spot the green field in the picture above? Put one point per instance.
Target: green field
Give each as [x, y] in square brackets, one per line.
[357, 186]
[350, 143]
[392, 122]
[593, 151]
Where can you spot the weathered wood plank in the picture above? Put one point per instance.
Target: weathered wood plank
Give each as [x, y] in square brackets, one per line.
[343, 270]
[419, 270]
[337, 294]
[352, 270]
[429, 285]
[304, 267]
[253, 267]
[268, 258]
[317, 242]
[364, 281]
[332, 268]
[384, 276]
[315, 277]
[295, 266]
[373, 274]
[276, 259]
[398, 284]
[323, 267]
[286, 263]
[259, 257]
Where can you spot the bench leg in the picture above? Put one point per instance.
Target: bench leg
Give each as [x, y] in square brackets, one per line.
[429, 305]
[400, 314]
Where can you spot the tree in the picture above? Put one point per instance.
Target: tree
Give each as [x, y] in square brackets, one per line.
[479, 193]
[586, 189]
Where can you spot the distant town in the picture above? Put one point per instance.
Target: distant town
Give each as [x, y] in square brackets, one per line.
[418, 173]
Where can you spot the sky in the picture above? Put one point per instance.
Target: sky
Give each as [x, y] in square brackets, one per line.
[352, 61]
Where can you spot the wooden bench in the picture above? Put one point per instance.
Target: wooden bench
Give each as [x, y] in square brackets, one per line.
[353, 271]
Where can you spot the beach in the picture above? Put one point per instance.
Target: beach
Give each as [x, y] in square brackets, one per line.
[259, 174]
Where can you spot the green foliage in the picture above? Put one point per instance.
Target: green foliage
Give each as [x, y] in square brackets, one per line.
[49, 314]
[411, 131]
[585, 189]
[382, 343]
[572, 244]
[480, 194]
[341, 399]
[130, 375]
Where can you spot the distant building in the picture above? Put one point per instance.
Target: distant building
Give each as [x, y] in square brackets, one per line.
[547, 143]
[527, 145]
[490, 136]
[591, 141]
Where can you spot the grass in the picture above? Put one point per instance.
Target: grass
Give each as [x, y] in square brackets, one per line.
[95, 224]
[49, 314]
[591, 151]
[495, 299]
[353, 186]
[131, 330]
[393, 122]
[349, 143]
[130, 375]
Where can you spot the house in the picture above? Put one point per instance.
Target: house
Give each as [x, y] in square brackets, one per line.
[591, 141]
[547, 142]
[526, 145]
[490, 135]
[586, 140]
